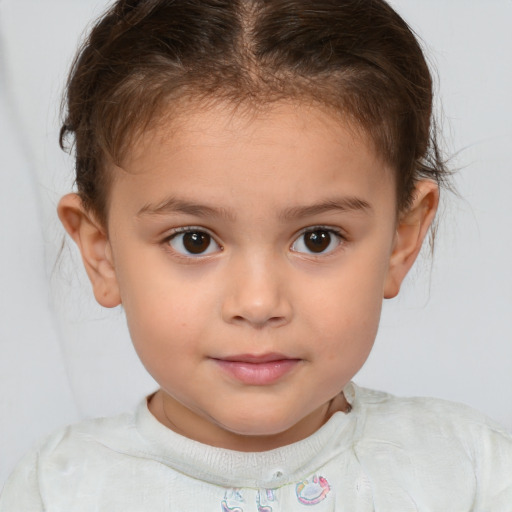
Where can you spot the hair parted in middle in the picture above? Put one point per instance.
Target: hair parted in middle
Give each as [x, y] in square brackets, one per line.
[145, 58]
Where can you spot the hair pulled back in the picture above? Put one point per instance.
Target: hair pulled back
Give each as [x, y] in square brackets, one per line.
[356, 56]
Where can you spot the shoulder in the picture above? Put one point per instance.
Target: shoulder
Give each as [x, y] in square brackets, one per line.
[70, 452]
[421, 416]
[88, 437]
[436, 441]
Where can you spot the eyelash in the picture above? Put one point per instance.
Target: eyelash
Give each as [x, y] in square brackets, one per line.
[339, 236]
[193, 230]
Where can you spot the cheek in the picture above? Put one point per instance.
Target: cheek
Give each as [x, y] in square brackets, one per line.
[165, 292]
[344, 310]
[165, 318]
[166, 339]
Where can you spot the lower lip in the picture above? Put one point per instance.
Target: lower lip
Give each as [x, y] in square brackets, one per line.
[258, 374]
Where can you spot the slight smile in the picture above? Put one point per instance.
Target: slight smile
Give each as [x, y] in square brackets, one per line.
[257, 370]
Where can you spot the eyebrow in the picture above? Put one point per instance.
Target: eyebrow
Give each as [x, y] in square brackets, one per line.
[173, 205]
[342, 204]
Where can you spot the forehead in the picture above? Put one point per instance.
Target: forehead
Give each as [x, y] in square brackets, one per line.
[187, 124]
[297, 149]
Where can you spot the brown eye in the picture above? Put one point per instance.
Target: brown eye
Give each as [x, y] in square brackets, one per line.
[317, 241]
[193, 243]
[196, 243]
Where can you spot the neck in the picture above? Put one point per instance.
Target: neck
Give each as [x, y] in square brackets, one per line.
[185, 422]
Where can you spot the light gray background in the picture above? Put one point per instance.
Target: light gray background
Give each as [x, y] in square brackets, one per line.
[449, 334]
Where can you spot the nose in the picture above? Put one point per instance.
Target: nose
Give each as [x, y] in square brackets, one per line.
[256, 294]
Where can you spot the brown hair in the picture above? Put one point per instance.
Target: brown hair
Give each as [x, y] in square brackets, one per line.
[356, 56]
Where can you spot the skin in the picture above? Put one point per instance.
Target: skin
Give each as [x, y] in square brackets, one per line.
[254, 184]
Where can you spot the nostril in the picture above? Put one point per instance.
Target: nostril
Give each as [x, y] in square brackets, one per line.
[274, 321]
[256, 305]
[277, 320]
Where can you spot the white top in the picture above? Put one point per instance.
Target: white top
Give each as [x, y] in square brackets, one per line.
[388, 455]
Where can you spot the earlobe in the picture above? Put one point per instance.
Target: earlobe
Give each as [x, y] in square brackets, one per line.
[94, 247]
[412, 228]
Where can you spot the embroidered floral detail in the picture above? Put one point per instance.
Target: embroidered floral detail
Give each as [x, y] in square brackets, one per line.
[230, 496]
[234, 494]
[226, 508]
[267, 496]
[262, 508]
[314, 491]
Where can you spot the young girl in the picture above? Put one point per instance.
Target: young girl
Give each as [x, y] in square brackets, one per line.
[254, 177]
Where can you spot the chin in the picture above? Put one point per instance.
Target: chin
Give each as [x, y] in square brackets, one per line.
[263, 426]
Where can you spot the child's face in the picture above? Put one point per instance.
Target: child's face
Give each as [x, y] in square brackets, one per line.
[251, 255]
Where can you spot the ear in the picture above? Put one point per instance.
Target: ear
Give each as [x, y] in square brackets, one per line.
[94, 246]
[412, 228]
